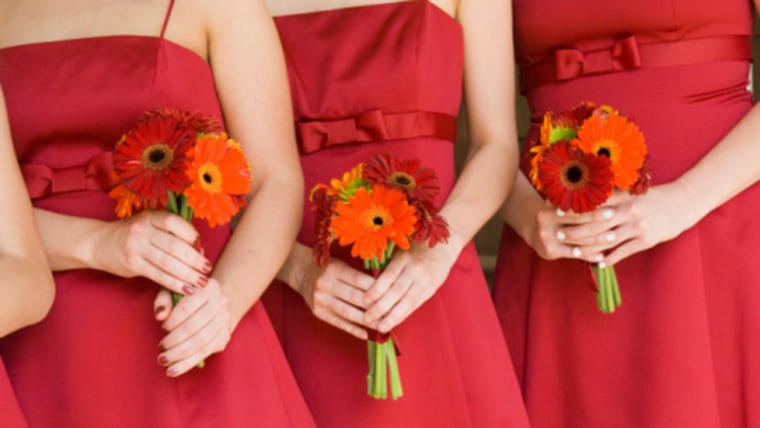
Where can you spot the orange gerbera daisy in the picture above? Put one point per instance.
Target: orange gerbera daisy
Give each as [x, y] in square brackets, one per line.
[151, 160]
[220, 177]
[370, 220]
[574, 180]
[618, 139]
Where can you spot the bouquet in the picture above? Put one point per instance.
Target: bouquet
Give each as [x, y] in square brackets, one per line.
[583, 156]
[182, 162]
[376, 207]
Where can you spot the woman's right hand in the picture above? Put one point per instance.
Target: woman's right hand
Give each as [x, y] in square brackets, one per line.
[334, 293]
[157, 245]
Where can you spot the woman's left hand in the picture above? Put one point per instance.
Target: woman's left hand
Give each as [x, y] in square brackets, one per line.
[637, 223]
[409, 280]
[198, 326]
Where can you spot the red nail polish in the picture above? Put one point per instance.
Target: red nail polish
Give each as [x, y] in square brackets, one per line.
[172, 372]
[202, 281]
[163, 360]
[159, 310]
[188, 290]
[207, 267]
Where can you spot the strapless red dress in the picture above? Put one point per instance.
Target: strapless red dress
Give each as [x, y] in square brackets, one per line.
[388, 78]
[682, 350]
[92, 361]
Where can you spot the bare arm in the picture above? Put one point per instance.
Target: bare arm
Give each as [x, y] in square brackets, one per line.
[26, 284]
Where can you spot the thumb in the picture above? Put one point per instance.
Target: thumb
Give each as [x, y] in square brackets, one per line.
[162, 305]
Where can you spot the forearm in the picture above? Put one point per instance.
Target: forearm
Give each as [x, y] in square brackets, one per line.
[482, 186]
[67, 240]
[293, 269]
[736, 159]
[25, 293]
[260, 243]
[520, 208]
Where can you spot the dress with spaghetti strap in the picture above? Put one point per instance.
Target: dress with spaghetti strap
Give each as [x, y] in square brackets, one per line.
[682, 350]
[387, 78]
[92, 361]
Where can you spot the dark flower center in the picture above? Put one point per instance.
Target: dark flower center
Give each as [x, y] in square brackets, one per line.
[208, 178]
[574, 174]
[403, 180]
[157, 157]
[604, 151]
[377, 221]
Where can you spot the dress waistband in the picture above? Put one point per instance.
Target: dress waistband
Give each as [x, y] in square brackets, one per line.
[628, 54]
[374, 125]
[42, 180]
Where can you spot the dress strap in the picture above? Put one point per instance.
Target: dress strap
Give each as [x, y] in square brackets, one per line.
[166, 18]
[374, 125]
[628, 54]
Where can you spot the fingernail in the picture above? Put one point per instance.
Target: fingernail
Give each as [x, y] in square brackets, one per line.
[163, 360]
[560, 236]
[598, 258]
[172, 371]
[161, 347]
[202, 281]
[207, 267]
[610, 237]
[188, 290]
[576, 252]
[159, 310]
[608, 213]
[560, 213]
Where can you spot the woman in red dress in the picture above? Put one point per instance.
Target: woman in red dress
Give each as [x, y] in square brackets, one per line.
[682, 349]
[26, 285]
[357, 66]
[113, 352]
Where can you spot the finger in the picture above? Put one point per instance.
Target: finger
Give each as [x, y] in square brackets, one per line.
[384, 281]
[405, 307]
[189, 305]
[161, 277]
[329, 304]
[162, 304]
[175, 267]
[175, 225]
[383, 305]
[181, 251]
[342, 323]
[599, 215]
[589, 254]
[623, 251]
[218, 341]
[188, 341]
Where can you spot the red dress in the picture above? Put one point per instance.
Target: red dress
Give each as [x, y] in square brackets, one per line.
[10, 412]
[92, 361]
[682, 350]
[389, 77]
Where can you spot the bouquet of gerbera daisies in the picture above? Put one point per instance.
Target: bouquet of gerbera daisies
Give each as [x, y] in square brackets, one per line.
[182, 162]
[583, 156]
[378, 206]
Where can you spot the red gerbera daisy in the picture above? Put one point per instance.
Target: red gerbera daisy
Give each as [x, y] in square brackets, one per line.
[201, 124]
[574, 180]
[324, 209]
[220, 177]
[151, 160]
[407, 175]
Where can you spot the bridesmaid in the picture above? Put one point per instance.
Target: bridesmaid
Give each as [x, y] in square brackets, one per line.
[354, 62]
[682, 350]
[114, 351]
[26, 286]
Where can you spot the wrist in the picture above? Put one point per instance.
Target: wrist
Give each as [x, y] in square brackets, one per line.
[292, 271]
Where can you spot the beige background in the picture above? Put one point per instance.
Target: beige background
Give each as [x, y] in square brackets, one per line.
[487, 240]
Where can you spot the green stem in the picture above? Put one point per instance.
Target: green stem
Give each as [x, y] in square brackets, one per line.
[396, 389]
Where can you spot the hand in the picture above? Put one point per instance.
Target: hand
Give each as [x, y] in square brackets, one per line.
[157, 245]
[409, 280]
[558, 234]
[198, 326]
[643, 221]
[335, 294]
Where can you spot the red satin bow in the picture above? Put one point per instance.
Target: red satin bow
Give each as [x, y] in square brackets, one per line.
[42, 180]
[572, 63]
